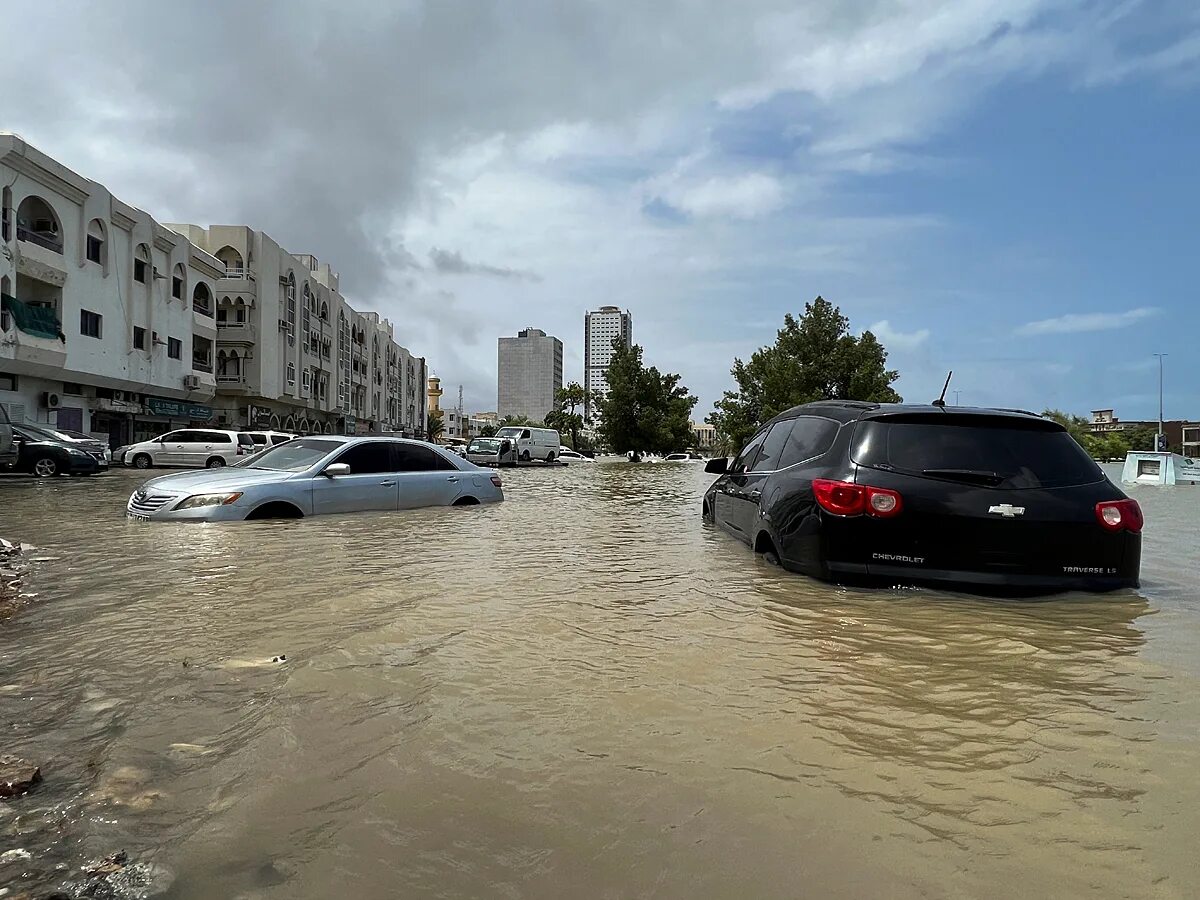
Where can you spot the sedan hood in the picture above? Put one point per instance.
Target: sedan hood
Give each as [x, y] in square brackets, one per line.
[225, 479]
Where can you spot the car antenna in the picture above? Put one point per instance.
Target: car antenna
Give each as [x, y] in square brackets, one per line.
[941, 401]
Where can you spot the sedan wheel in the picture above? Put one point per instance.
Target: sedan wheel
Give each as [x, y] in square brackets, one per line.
[45, 467]
[141, 461]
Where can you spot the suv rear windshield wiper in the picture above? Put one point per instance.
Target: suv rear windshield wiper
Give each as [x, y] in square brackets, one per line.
[971, 476]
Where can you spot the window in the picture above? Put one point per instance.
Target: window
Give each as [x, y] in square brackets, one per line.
[174, 348]
[772, 447]
[8, 382]
[89, 323]
[139, 338]
[810, 438]
[139, 271]
[414, 458]
[95, 246]
[213, 437]
[307, 379]
[177, 287]
[369, 458]
[749, 453]
[291, 373]
[73, 387]
[980, 450]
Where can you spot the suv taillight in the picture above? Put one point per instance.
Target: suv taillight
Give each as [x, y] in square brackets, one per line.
[841, 498]
[1120, 515]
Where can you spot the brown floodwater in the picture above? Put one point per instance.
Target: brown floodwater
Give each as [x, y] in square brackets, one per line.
[580, 692]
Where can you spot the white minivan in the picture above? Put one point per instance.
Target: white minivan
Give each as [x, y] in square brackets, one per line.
[208, 448]
[532, 443]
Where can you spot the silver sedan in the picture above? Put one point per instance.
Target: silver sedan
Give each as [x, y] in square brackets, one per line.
[316, 475]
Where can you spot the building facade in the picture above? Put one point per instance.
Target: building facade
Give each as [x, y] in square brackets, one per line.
[293, 355]
[600, 328]
[705, 435]
[529, 369]
[107, 317]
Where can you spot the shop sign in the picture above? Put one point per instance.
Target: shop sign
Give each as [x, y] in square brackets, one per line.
[179, 409]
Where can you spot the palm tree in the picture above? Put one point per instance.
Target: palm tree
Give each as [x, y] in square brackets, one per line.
[436, 426]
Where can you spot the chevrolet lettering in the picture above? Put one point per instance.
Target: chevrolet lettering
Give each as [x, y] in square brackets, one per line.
[989, 500]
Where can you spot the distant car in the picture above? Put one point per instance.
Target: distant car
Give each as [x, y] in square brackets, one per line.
[318, 475]
[683, 457]
[986, 499]
[264, 439]
[209, 448]
[532, 443]
[486, 451]
[45, 453]
[97, 448]
[570, 456]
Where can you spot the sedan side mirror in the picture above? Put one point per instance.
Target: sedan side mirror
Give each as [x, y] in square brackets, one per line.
[335, 469]
[718, 466]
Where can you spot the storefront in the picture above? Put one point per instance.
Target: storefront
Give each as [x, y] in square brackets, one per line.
[167, 415]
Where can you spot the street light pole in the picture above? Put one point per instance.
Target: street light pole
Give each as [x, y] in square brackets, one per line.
[1158, 437]
[956, 393]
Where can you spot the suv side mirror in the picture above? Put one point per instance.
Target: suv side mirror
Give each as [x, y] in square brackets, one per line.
[717, 466]
[335, 469]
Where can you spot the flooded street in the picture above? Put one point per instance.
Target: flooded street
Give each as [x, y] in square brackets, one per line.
[582, 692]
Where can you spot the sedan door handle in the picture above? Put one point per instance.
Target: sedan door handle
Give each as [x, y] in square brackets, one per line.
[452, 478]
[387, 484]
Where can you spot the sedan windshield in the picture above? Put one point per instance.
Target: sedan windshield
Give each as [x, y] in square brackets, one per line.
[294, 456]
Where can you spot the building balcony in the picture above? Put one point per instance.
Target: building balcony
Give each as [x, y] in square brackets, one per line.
[46, 240]
[237, 332]
[202, 365]
[232, 384]
[237, 273]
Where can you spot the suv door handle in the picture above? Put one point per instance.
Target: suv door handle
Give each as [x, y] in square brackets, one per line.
[754, 495]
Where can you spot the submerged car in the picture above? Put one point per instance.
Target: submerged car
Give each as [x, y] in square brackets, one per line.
[45, 452]
[317, 475]
[983, 499]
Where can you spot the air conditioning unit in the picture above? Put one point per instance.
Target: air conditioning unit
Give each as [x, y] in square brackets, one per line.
[156, 340]
[51, 400]
[191, 382]
[118, 395]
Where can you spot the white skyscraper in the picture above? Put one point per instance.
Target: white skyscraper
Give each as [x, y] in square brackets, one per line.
[600, 328]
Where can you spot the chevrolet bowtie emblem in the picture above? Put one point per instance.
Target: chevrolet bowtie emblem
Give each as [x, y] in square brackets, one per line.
[1007, 510]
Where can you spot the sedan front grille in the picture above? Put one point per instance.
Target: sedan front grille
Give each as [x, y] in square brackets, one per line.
[147, 503]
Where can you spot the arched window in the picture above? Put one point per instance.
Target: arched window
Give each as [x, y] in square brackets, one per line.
[178, 281]
[233, 262]
[38, 224]
[97, 243]
[324, 311]
[202, 299]
[141, 263]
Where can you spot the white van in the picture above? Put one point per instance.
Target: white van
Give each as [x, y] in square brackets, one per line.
[532, 443]
[208, 448]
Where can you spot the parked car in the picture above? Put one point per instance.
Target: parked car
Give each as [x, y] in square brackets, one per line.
[532, 443]
[264, 439]
[985, 499]
[97, 448]
[8, 447]
[44, 453]
[567, 455]
[487, 451]
[190, 447]
[683, 457]
[315, 475]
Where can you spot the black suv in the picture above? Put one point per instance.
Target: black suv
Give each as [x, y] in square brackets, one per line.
[985, 499]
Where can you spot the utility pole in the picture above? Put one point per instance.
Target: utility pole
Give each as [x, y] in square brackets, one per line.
[1159, 436]
[462, 428]
[956, 393]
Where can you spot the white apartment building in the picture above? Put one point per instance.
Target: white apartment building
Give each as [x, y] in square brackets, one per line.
[600, 328]
[107, 319]
[293, 355]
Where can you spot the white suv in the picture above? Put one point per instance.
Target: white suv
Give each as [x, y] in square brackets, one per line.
[191, 447]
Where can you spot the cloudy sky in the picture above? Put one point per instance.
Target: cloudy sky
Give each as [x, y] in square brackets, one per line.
[1007, 188]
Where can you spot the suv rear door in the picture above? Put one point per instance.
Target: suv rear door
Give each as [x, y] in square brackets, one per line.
[993, 495]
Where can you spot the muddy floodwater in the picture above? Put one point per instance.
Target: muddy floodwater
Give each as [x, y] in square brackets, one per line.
[582, 692]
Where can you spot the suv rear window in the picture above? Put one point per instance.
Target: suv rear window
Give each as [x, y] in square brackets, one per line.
[991, 452]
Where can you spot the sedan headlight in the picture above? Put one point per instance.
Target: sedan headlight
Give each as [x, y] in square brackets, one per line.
[75, 451]
[199, 500]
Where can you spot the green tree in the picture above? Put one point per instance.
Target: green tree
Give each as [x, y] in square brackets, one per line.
[436, 426]
[487, 431]
[1141, 439]
[518, 421]
[644, 409]
[1105, 445]
[813, 358]
[566, 416]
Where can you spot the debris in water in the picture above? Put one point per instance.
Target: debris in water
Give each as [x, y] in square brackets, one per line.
[127, 787]
[259, 663]
[17, 775]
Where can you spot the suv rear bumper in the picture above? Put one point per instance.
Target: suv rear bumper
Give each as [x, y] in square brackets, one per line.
[987, 582]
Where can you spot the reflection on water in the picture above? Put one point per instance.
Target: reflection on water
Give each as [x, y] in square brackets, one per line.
[582, 692]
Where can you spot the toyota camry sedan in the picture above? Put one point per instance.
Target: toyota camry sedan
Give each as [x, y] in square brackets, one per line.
[318, 475]
[985, 499]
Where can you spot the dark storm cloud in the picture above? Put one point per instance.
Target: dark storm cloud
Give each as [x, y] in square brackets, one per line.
[451, 262]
